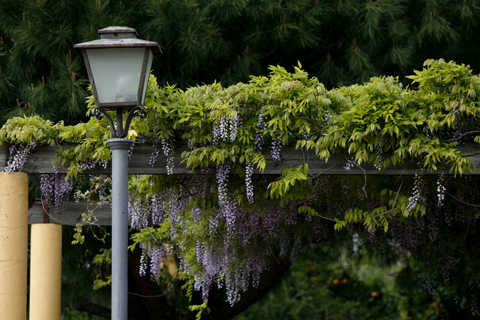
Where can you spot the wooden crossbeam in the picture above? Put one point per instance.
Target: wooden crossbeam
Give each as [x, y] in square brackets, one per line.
[73, 214]
[41, 162]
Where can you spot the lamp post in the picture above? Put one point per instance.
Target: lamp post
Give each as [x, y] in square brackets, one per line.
[118, 66]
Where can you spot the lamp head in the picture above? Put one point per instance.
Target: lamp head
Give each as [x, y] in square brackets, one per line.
[118, 66]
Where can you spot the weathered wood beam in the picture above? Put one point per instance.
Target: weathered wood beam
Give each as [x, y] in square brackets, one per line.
[41, 162]
[73, 214]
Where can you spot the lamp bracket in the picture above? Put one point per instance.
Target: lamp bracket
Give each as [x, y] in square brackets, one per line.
[119, 131]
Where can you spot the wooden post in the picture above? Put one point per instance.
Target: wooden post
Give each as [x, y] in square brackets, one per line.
[45, 271]
[13, 245]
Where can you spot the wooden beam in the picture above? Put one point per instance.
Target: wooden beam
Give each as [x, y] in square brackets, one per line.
[73, 214]
[41, 162]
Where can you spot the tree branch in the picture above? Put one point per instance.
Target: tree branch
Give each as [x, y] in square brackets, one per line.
[458, 138]
[468, 204]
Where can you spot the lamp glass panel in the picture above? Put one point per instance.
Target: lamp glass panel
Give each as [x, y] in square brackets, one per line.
[116, 73]
[147, 75]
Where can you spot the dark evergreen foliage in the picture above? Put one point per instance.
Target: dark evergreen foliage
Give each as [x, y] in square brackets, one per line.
[339, 41]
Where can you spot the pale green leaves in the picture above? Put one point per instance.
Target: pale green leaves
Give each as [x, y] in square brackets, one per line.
[290, 179]
[23, 130]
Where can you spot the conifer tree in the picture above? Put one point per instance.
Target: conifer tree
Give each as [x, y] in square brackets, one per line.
[339, 41]
[40, 73]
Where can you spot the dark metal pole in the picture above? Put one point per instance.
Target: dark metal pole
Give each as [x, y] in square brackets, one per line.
[119, 227]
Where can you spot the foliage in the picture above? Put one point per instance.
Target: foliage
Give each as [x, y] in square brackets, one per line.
[104, 256]
[68, 314]
[200, 309]
[331, 281]
[340, 42]
[227, 225]
[80, 272]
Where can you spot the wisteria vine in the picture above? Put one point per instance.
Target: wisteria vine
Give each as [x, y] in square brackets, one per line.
[226, 235]
[56, 190]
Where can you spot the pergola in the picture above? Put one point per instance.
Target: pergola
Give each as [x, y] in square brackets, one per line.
[45, 252]
[41, 162]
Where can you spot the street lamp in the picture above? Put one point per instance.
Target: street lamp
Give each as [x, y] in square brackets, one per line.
[118, 66]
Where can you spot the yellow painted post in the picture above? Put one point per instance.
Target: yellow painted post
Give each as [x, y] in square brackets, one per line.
[45, 271]
[13, 245]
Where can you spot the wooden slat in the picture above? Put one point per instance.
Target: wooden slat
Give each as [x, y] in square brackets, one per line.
[72, 216]
[3, 155]
[40, 162]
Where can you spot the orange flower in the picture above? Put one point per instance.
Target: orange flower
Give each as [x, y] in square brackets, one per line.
[335, 281]
[314, 279]
[374, 294]
[344, 281]
[312, 268]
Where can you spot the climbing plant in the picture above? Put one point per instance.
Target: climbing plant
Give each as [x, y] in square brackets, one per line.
[227, 223]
